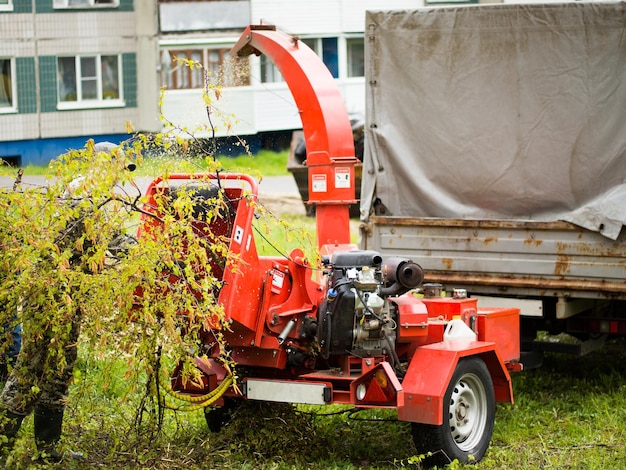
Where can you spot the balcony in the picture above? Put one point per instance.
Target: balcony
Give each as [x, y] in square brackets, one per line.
[192, 16]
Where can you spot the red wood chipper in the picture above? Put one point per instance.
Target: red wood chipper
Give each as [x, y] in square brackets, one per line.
[356, 334]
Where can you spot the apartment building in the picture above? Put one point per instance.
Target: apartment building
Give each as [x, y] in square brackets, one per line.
[77, 69]
[71, 70]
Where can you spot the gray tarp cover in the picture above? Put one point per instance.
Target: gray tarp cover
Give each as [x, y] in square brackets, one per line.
[498, 112]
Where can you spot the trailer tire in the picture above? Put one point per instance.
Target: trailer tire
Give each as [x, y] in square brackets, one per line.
[217, 417]
[469, 401]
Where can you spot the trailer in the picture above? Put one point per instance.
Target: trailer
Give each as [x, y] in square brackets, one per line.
[495, 155]
[352, 329]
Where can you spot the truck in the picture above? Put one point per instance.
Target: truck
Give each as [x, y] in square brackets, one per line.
[354, 328]
[495, 155]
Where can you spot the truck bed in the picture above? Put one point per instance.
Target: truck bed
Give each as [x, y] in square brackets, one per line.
[506, 257]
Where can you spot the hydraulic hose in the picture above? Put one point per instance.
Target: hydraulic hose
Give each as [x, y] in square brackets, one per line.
[201, 401]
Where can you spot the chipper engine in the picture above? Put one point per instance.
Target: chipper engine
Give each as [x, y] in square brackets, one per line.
[354, 328]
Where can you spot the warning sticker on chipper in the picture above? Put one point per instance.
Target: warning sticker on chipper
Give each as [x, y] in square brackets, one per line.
[342, 177]
[318, 184]
[238, 234]
[278, 279]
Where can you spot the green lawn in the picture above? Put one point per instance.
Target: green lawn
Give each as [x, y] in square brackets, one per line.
[265, 162]
[568, 414]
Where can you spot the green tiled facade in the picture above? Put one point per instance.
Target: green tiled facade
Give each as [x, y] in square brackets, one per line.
[48, 83]
[126, 5]
[26, 85]
[22, 6]
[129, 72]
[43, 6]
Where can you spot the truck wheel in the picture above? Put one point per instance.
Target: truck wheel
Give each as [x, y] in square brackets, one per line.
[469, 408]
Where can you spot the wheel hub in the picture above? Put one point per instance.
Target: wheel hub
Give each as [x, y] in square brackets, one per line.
[466, 412]
[461, 412]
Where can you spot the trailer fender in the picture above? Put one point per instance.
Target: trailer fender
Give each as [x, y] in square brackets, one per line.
[430, 372]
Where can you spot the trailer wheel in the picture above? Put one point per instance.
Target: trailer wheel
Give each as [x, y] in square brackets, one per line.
[468, 416]
[217, 417]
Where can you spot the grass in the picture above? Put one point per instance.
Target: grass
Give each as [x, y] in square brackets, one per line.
[265, 162]
[568, 414]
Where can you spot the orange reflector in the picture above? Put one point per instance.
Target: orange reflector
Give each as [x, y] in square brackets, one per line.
[381, 378]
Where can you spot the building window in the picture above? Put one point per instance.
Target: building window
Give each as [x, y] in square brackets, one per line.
[330, 55]
[326, 49]
[89, 81]
[7, 85]
[184, 68]
[269, 72]
[6, 5]
[179, 73]
[85, 3]
[356, 57]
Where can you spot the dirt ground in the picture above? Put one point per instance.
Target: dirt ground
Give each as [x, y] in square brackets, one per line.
[281, 204]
